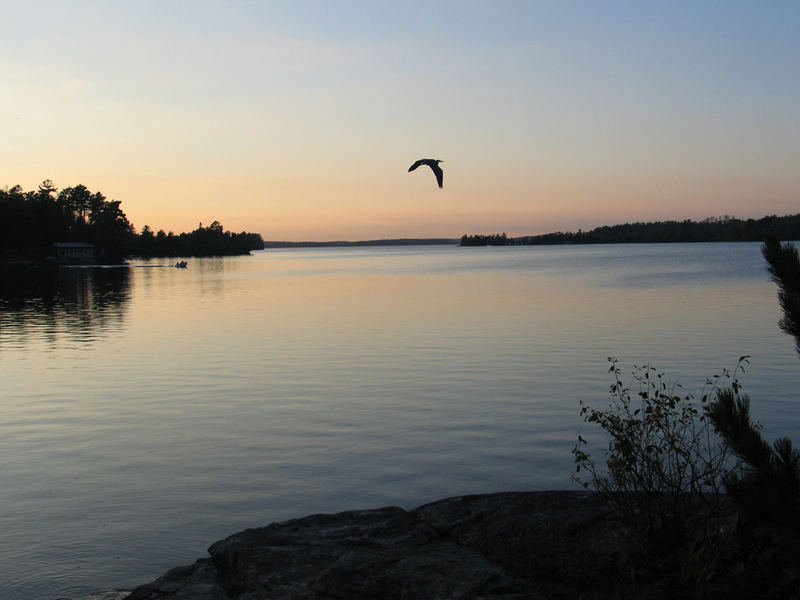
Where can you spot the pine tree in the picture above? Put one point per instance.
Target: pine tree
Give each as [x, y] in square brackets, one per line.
[767, 486]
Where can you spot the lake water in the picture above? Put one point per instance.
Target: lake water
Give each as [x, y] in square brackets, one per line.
[148, 411]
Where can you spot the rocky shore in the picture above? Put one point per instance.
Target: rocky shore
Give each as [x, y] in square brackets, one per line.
[515, 545]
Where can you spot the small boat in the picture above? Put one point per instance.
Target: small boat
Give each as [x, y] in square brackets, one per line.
[181, 264]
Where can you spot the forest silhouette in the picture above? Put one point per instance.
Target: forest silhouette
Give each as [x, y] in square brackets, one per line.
[32, 221]
[711, 229]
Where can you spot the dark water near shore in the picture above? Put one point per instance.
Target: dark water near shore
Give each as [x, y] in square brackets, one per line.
[148, 411]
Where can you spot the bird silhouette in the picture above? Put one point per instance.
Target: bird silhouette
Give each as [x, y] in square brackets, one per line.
[433, 164]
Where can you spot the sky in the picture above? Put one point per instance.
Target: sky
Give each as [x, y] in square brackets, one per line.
[299, 119]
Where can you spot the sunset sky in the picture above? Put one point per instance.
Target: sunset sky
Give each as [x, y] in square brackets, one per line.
[298, 120]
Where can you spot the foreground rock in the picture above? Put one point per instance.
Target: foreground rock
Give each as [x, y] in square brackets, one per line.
[517, 545]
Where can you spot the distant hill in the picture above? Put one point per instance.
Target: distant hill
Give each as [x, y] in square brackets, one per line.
[339, 244]
[712, 229]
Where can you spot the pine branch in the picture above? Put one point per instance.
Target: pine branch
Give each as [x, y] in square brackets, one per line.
[783, 264]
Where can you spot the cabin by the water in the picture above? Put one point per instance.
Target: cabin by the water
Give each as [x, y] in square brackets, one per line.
[81, 252]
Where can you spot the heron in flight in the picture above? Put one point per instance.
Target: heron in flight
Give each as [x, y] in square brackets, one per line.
[433, 164]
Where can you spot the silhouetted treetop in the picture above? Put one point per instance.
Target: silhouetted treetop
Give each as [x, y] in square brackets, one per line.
[711, 229]
[203, 241]
[31, 222]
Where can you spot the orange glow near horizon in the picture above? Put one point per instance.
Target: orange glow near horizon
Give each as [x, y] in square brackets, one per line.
[547, 119]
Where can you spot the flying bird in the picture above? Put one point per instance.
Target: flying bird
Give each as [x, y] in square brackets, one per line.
[433, 164]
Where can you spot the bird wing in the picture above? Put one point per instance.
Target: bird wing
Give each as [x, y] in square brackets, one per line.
[415, 165]
[439, 173]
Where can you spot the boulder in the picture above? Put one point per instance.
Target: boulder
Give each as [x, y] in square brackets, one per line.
[489, 546]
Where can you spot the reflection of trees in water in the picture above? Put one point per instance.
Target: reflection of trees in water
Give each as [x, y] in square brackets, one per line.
[46, 303]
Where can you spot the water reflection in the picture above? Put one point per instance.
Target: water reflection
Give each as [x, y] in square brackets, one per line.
[52, 304]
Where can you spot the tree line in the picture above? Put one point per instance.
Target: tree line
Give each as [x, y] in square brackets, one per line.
[494, 239]
[203, 241]
[32, 221]
[711, 229]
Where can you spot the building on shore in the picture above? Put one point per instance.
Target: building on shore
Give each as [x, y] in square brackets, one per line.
[74, 252]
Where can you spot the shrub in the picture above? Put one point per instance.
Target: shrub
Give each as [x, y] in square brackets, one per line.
[669, 459]
[665, 464]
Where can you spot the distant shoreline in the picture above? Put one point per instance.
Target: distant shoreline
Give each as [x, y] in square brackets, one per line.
[721, 229]
[342, 244]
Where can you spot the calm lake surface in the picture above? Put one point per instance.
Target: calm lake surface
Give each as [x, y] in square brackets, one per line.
[148, 411]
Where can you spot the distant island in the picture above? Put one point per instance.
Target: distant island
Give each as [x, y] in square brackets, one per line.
[34, 224]
[711, 229]
[212, 240]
